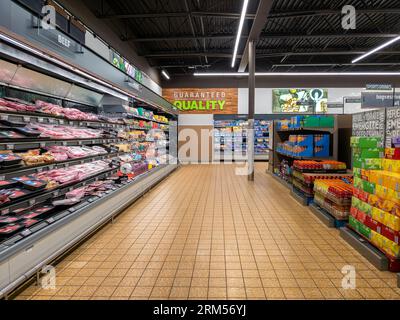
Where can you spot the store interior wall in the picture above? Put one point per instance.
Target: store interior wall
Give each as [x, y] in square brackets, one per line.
[78, 9]
[263, 105]
[195, 138]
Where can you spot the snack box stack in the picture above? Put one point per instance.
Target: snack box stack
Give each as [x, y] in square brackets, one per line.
[375, 210]
[306, 172]
[334, 195]
[299, 122]
[306, 145]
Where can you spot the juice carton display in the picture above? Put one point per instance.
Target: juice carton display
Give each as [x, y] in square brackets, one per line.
[366, 142]
[322, 151]
[327, 122]
[311, 121]
[305, 140]
[392, 153]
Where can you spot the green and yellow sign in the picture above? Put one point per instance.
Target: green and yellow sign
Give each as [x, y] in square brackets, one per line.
[215, 101]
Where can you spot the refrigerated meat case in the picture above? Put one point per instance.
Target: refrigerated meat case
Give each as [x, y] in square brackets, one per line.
[74, 153]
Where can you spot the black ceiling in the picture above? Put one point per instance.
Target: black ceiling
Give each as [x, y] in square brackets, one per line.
[299, 35]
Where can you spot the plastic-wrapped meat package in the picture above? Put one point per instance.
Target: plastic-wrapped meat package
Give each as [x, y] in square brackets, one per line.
[59, 153]
[99, 150]
[49, 108]
[49, 131]
[76, 153]
[76, 194]
[89, 151]
[75, 114]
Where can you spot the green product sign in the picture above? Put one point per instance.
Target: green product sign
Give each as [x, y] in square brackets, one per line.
[188, 105]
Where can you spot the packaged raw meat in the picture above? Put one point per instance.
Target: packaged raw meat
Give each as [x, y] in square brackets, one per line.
[9, 134]
[16, 193]
[7, 184]
[76, 194]
[29, 222]
[4, 198]
[9, 159]
[28, 132]
[34, 185]
[8, 219]
[14, 124]
[9, 229]
[66, 202]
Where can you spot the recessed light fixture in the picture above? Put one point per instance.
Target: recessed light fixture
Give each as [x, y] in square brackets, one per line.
[165, 74]
[386, 44]
[294, 74]
[239, 34]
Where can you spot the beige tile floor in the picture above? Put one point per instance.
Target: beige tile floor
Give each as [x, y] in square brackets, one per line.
[205, 233]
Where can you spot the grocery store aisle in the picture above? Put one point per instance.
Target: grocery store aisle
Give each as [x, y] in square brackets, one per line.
[207, 233]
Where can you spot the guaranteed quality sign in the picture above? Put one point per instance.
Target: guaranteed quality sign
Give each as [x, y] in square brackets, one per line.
[206, 101]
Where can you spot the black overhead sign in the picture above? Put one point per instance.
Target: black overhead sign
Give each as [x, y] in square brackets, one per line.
[380, 99]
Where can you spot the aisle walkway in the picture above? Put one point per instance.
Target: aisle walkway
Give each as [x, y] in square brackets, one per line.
[207, 233]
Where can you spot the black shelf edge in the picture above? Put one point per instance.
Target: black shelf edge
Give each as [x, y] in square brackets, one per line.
[27, 117]
[18, 146]
[372, 254]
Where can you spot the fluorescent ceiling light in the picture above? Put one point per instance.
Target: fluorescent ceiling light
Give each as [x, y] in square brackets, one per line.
[239, 34]
[386, 44]
[165, 74]
[294, 74]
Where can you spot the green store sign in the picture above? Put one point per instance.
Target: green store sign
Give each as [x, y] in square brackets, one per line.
[208, 105]
[126, 67]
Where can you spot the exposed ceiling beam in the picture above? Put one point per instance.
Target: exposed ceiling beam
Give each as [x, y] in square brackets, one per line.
[286, 65]
[259, 22]
[299, 14]
[260, 55]
[320, 53]
[227, 15]
[267, 36]
[188, 54]
[184, 38]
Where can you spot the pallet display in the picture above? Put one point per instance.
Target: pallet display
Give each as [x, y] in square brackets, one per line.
[375, 209]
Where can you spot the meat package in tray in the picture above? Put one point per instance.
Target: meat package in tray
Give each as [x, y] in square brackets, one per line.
[38, 211]
[10, 229]
[9, 159]
[31, 183]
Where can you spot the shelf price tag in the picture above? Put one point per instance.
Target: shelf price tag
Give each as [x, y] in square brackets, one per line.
[4, 117]
[32, 202]
[39, 170]
[27, 119]
[51, 120]
[42, 144]
[61, 121]
[10, 147]
[65, 143]
[40, 120]
[56, 193]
